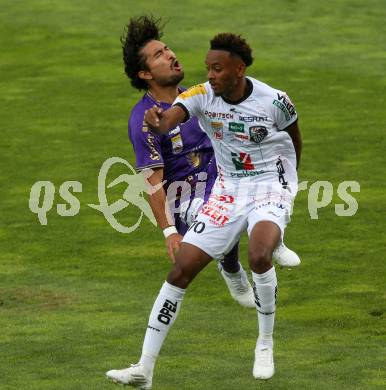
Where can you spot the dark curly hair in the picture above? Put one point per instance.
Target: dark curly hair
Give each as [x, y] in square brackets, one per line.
[136, 35]
[235, 44]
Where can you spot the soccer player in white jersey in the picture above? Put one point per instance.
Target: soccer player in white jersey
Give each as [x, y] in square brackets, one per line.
[257, 144]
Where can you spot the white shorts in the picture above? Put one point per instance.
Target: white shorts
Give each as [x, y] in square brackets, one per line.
[230, 210]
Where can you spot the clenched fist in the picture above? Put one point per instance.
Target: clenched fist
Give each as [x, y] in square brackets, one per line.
[153, 116]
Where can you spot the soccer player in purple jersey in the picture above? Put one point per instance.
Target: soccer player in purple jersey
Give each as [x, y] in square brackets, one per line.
[183, 156]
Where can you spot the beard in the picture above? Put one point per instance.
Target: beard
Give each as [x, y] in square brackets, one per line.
[171, 81]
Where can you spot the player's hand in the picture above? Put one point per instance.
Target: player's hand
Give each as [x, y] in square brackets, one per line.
[173, 244]
[152, 116]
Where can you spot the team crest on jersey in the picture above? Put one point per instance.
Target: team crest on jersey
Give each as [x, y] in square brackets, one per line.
[257, 133]
[177, 144]
[176, 140]
[194, 159]
[218, 130]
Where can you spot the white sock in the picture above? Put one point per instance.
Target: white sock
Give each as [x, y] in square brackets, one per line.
[265, 289]
[164, 312]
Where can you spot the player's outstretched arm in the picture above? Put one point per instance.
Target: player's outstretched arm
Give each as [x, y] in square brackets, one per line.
[161, 121]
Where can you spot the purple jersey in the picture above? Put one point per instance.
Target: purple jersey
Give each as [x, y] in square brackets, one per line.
[183, 153]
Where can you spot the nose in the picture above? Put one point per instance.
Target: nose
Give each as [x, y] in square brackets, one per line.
[171, 55]
[210, 75]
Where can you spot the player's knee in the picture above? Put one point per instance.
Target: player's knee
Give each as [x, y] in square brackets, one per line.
[260, 258]
[179, 276]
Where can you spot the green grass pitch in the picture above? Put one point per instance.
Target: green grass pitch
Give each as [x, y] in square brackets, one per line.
[75, 295]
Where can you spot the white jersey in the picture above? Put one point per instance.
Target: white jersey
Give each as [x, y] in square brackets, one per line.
[247, 136]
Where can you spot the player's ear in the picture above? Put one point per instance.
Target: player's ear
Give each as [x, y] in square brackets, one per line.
[241, 69]
[145, 75]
